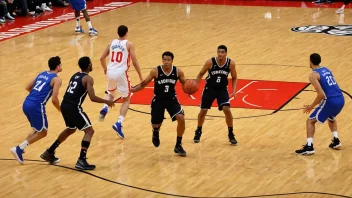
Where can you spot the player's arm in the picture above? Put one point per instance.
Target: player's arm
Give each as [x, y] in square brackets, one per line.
[103, 57]
[234, 77]
[204, 70]
[181, 76]
[314, 80]
[56, 84]
[132, 53]
[88, 82]
[30, 85]
[153, 74]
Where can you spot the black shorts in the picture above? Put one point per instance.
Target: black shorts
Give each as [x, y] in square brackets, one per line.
[159, 105]
[210, 94]
[74, 117]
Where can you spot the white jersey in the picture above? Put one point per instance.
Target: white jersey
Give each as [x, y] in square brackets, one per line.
[119, 56]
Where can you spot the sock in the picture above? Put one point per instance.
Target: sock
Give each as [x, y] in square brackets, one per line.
[199, 128]
[120, 120]
[179, 140]
[156, 129]
[23, 145]
[106, 106]
[43, 4]
[230, 129]
[89, 24]
[78, 22]
[83, 154]
[309, 141]
[334, 134]
[54, 146]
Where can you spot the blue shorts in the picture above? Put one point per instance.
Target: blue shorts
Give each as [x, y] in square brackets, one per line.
[36, 115]
[78, 5]
[328, 109]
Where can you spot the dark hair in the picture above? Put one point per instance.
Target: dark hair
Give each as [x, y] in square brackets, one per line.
[167, 53]
[315, 58]
[54, 62]
[122, 30]
[84, 62]
[222, 47]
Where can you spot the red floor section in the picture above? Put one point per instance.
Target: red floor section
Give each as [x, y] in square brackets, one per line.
[251, 94]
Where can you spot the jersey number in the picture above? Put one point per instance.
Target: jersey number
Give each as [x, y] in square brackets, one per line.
[218, 79]
[166, 88]
[116, 57]
[330, 80]
[39, 86]
[72, 87]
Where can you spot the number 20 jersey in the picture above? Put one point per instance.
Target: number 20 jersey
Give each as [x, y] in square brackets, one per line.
[328, 83]
[119, 58]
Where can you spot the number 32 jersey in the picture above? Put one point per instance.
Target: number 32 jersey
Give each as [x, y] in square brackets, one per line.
[328, 83]
[75, 92]
[119, 58]
[217, 75]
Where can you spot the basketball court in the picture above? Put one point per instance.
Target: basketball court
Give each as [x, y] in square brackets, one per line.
[270, 42]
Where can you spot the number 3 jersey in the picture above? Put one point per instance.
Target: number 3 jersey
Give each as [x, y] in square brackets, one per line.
[328, 83]
[42, 90]
[75, 92]
[119, 55]
[164, 85]
[217, 75]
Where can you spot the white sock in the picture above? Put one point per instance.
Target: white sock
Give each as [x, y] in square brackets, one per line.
[120, 120]
[23, 145]
[43, 4]
[334, 134]
[78, 22]
[89, 24]
[343, 7]
[309, 141]
[106, 106]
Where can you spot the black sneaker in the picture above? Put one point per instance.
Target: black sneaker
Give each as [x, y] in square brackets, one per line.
[155, 138]
[50, 157]
[306, 150]
[232, 139]
[197, 135]
[179, 150]
[82, 164]
[335, 143]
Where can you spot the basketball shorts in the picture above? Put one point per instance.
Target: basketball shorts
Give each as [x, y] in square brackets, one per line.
[78, 5]
[210, 94]
[118, 80]
[328, 109]
[74, 117]
[36, 115]
[159, 105]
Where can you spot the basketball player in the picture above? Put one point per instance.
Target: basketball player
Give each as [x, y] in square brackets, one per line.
[218, 69]
[165, 77]
[78, 6]
[75, 118]
[120, 51]
[342, 9]
[331, 101]
[40, 89]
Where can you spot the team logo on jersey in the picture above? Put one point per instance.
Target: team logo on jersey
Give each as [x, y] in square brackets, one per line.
[337, 30]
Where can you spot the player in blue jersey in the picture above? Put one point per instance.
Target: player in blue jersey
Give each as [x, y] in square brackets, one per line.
[40, 89]
[331, 101]
[81, 6]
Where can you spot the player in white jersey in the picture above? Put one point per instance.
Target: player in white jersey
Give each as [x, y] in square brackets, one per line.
[120, 52]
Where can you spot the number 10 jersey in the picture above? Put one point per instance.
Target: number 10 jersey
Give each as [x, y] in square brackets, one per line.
[119, 58]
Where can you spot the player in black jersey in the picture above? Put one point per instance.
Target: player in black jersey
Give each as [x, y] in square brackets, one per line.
[165, 77]
[218, 69]
[80, 85]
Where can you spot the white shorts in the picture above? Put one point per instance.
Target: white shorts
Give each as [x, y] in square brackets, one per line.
[118, 79]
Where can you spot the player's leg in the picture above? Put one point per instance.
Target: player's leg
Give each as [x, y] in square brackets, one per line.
[336, 107]
[208, 97]
[342, 9]
[223, 101]
[111, 93]
[78, 28]
[157, 117]
[92, 31]
[176, 113]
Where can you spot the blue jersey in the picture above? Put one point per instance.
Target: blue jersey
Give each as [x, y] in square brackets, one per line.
[42, 90]
[328, 83]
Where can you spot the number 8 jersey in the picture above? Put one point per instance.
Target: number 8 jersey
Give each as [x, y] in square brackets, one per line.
[217, 75]
[328, 83]
[119, 55]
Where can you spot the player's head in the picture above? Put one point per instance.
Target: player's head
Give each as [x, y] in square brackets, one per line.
[222, 52]
[315, 60]
[85, 64]
[55, 64]
[122, 30]
[167, 59]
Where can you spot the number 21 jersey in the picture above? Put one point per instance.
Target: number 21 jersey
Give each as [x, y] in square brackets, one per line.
[119, 58]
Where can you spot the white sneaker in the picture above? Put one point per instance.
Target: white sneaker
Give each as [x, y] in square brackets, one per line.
[2, 20]
[45, 8]
[339, 11]
[93, 32]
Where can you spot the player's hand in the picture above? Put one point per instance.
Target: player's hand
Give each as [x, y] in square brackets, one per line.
[105, 71]
[110, 103]
[233, 94]
[133, 89]
[307, 108]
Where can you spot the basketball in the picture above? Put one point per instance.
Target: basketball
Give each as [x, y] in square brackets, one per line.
[190, 87]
